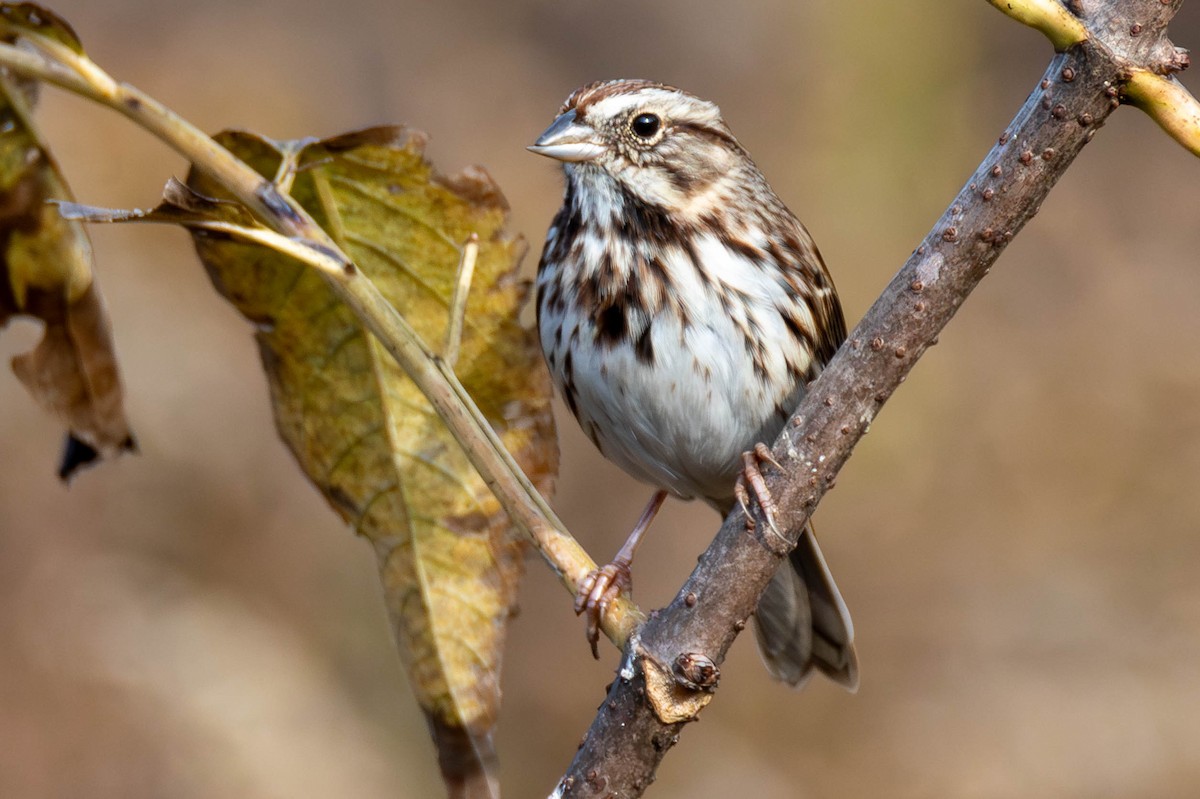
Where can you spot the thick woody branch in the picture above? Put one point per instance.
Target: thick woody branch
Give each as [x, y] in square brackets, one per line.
[671, 666]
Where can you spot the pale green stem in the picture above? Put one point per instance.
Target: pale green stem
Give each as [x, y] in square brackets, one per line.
[1050, 17]
[1169, 104]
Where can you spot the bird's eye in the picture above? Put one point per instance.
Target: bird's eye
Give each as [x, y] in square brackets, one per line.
[645, 125]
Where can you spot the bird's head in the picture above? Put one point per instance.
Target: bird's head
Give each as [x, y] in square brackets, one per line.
[656, 142]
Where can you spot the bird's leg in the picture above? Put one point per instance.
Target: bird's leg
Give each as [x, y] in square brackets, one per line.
[601, 587]
[751, 481]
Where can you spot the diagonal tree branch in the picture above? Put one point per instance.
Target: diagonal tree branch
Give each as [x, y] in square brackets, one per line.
[672, 664]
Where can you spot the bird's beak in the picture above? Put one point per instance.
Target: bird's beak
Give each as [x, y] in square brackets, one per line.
[568, 140]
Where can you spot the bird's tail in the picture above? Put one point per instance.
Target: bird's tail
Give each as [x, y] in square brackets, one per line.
[802, 622]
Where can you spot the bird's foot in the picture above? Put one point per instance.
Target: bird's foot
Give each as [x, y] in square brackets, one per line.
[602, 587]
[751, 481]
[597, 591]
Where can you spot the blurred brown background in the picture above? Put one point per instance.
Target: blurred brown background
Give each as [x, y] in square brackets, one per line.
[1018, 538]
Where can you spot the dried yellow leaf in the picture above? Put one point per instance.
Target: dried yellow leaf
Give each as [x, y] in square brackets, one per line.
[364, 434]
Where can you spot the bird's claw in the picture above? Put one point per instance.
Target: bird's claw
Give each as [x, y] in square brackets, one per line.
[597, 592]
[751, 481]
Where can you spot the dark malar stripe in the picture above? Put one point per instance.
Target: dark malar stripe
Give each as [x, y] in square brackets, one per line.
[641, 222]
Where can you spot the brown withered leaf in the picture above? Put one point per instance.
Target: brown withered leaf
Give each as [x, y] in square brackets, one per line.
[449, 558]
[46, 273]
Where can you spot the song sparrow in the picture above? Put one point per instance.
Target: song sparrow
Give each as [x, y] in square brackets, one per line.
[682, 309]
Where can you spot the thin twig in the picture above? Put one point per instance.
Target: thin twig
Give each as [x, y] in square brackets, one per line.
[1169, 104]
[1050, 17]
[54, 63]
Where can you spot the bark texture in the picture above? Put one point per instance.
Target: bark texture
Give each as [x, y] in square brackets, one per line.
[671, 666]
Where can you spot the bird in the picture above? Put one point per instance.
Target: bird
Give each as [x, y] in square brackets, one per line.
[682, 308]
